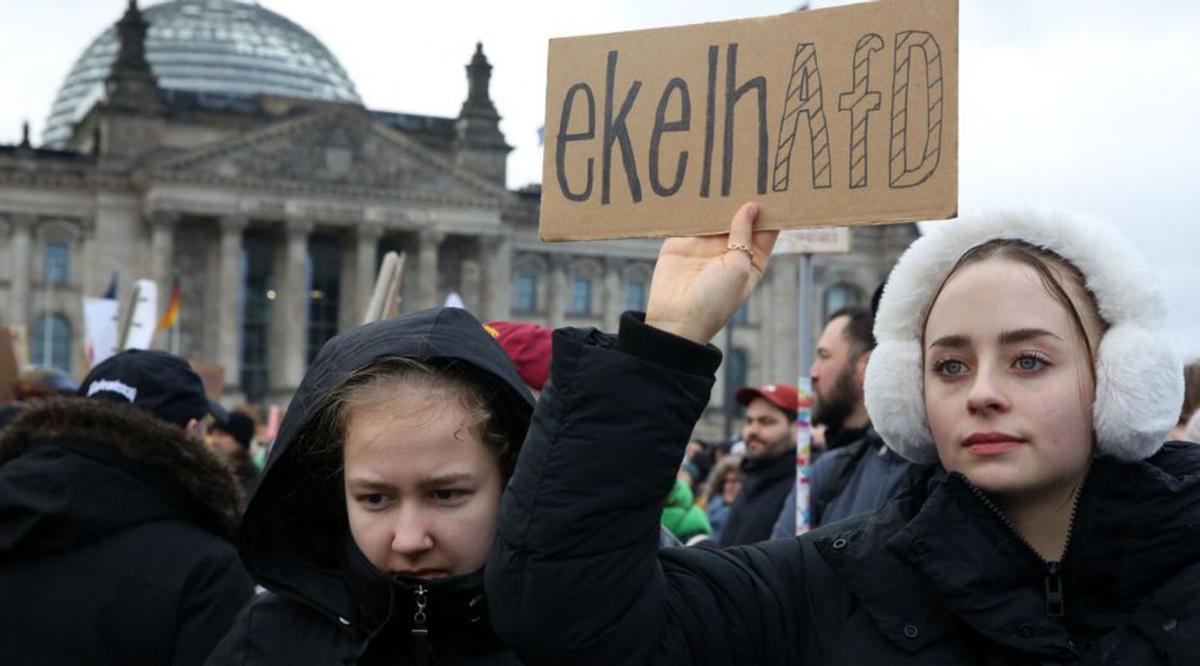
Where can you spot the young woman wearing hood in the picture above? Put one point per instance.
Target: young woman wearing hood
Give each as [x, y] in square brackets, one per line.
[1022, 357]
[377, 508]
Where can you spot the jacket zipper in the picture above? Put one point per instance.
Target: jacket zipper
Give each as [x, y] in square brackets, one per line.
[420, 632]
[1052, 577]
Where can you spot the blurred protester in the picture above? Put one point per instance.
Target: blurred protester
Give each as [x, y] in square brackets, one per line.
[528, 346]
[769, 466]
[724, 484]
[859, 473]
[1022, 356]
[115, 523]
[379, 504]
[232, 439]
[10, 412]
[682, 517]
[1192, 432]
[1191, 403]
[34, 384]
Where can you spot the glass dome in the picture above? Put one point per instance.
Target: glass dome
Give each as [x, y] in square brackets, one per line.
[218, 46]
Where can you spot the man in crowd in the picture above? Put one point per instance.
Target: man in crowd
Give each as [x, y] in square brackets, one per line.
[769, 467]
[858, 473]
[115, 523]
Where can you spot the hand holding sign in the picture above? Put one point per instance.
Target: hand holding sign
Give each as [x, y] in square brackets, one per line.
[700, 282]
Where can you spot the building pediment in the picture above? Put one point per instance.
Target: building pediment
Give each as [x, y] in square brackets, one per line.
[341, 151]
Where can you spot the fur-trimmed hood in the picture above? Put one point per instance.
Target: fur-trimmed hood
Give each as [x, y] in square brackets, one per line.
[76, 469]
[1139, 377]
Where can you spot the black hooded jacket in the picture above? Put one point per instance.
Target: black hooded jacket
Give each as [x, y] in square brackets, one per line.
[115, 537]
[325, 603]
[935, 577]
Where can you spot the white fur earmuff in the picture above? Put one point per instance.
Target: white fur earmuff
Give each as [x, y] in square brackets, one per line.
[1139, 377]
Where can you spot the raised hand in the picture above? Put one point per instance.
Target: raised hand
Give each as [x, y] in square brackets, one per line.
[700, 282]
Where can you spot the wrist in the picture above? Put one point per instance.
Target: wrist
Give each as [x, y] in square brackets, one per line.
[679, 329]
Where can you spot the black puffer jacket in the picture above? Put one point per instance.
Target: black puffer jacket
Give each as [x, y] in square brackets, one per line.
[936, 577]
[766, 483]
[114, 539]
[326, 604]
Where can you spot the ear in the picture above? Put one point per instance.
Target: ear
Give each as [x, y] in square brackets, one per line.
[860, 368]
[192, 429]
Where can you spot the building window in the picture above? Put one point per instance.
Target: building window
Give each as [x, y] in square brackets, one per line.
[742, 315]
[51, 342]
[839, 296]
[57, 265]
[581, 296]
[257, 251]
[325, 261]
[635, 295]
[526, 292]
[737, 374]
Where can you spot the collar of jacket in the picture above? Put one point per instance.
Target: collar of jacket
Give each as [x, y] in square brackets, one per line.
[940, 556]
[774, 467]
[103, 445]
[386, 606]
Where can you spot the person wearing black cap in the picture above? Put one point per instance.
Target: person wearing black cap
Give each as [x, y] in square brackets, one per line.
[115, 523]
[231, 440]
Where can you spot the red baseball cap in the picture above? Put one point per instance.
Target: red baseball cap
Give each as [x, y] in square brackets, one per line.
[528, 345]
[783, 396]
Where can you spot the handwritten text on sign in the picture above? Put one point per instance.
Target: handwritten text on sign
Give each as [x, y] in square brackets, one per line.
[841, 116]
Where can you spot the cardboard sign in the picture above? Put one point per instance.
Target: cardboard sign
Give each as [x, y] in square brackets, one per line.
[825, 240]
[100, 324]
[835, 117]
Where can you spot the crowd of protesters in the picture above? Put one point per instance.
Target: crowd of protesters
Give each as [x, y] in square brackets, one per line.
[991, 484]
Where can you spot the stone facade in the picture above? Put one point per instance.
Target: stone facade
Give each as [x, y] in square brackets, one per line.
[274, 212]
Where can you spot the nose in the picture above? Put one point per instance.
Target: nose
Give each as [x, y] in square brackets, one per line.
[986, 395]
[411, 535]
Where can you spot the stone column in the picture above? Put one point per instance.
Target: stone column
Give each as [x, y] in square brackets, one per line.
[470, 282]
[496, 256]
[427, 266]
[229, 303]
[556, 310]
[290, 327]
[614, 305]
[366, 248]
[162, 251]
[21, 245]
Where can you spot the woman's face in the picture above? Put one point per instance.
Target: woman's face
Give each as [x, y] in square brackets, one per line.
[733, 485]
[1008, 390]
[422, 489]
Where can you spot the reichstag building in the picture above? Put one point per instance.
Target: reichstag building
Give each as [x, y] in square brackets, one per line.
[220, 144]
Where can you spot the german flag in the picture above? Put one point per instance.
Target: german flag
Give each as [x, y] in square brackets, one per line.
[172, 313]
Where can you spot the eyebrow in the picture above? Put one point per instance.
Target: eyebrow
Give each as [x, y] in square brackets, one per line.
[447, 480]
[1025, 335]
[1006, 338]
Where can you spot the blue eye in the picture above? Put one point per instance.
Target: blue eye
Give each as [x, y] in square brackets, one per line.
[950, 367]
[1030, 363]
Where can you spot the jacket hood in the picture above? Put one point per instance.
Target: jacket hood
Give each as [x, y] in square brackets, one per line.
[292, 536]
[76, 470]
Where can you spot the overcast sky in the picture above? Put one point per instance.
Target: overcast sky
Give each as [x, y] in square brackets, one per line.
[1090, 105]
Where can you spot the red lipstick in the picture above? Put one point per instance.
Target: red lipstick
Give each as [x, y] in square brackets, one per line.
[992, 443]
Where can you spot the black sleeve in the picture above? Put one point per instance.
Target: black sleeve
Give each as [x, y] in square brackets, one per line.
[576, 576]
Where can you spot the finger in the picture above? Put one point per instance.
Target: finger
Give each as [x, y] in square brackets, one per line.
[741, 227]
